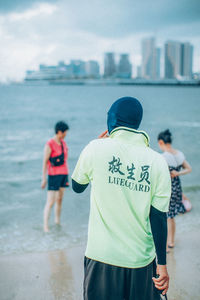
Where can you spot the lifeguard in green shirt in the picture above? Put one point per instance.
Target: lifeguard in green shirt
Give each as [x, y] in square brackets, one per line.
[130, 192]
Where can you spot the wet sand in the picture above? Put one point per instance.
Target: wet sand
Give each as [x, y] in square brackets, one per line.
[43, 276]
[184, 267]
[59, 275]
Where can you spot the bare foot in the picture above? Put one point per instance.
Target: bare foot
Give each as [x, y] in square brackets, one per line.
[46, 229]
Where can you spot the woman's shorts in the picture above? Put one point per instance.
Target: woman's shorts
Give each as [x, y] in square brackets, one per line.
[55, 182]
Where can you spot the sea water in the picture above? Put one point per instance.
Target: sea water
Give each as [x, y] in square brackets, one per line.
[28, 114]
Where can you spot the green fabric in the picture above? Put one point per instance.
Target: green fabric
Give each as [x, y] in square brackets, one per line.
[127, 177]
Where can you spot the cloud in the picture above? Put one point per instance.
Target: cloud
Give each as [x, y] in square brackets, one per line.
[42, 9]
[49, 31]
[7, 6]
[124, 17]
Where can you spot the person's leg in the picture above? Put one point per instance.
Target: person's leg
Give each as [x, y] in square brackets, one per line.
[103, 281]
[171, 227]
[58, 205]
[51, 198]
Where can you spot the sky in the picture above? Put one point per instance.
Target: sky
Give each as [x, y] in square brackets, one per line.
[34, 32]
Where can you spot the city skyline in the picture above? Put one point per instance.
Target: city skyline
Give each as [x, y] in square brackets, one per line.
[177, 56]
[35, 31]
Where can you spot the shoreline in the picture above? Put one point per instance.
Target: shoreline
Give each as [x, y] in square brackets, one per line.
[106, 82]
[59, 274]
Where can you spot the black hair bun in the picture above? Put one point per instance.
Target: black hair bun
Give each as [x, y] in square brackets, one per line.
[167, 132]
[165, 136]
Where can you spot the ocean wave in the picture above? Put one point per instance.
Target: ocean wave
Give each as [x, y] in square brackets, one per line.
[33, 239]
[24, 135]
[14, 206]
[18, 181]
[20, 159]
[187, 124]
[194, 188]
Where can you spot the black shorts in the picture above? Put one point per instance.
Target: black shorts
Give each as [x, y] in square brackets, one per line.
[55, 182]
[107, 282]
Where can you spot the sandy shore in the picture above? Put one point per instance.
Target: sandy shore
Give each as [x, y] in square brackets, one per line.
[184, 267]
[59, 275]
[43, 276]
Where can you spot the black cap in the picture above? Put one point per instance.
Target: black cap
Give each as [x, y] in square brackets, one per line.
[127, 112]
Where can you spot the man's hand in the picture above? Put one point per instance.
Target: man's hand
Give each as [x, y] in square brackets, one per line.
[103, 135]
[43, 183]
[174, 174]
[162, 282]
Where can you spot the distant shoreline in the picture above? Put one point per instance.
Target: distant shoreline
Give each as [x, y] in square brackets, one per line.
[108, 82]
[105, 82]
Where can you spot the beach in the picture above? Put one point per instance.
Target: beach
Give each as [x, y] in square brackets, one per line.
[184, 267]
[38, 266]
[58, 275]
[52, 275]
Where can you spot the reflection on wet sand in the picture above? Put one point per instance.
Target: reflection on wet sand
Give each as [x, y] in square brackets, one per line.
[61, 277]
[184, 268]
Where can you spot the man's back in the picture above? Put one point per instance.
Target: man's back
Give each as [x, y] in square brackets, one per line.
[129, 197]
[127, 177]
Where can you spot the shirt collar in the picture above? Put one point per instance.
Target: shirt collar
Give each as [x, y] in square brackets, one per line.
[130, 135]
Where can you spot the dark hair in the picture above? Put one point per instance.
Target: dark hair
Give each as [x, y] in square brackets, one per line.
[61, 126]
[165, 136]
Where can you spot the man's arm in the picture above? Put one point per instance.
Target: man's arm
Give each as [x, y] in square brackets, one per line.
[158, 221]
[77, 187]
[161, 192]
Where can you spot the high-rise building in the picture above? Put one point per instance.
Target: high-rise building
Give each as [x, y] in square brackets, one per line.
[109, 65]
[65, 71]
[186, 60]
[139, 72]
[158, 54]
[172, 59]
[150, 60]
[78, 68]
[124, 67]
[178, 59]
[92, 69]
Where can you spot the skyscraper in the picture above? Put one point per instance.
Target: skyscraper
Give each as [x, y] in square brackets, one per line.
[78, 68]
[124, 69]
[139, 71]
[149, 59]
[109, 65]
[172, 59]
[158, 52]
[186, 60]
[92, 69]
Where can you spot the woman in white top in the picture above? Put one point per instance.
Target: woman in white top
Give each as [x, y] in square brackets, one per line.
[177, 166]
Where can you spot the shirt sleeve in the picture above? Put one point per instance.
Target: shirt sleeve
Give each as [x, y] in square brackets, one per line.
[162, 185]
[168, 157]
[84, 167]
[181, 157]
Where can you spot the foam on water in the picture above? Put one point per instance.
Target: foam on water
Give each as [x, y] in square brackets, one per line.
[187, 124]
[19, 240]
